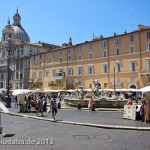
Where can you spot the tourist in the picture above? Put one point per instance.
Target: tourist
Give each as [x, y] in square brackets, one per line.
[53, 105]
[16, 101]
[130, 101]
[90, 105]
[142, 110]
[40, 106]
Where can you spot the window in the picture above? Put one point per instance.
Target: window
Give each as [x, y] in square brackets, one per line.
[46, 61]
[60, 52]
[90, 55]
[105, 53]
[80, 82]
[33, 64]
[17, 66]
[118, 41]
[148, 46]
[21, 75]
[91, 69]
[46, 73]
[105, 68]
[30, 51]
[53, 72]
[69, 71]
[40, 74]
[79, 48]
[40, 56]
[34, 57]
[22, 52]
[132, 65]
[132, 80]
[79, 56]
[69, 50]
[40, 63]
[21, 65]
[117, 51]
[52, 57]
[74, 49]
[148, 35]
[118, 67]
[104, 43]
[80, 69]
[148, 64]
[117, 81]
[131, 38]
[18, 53]
[69, 57]
[21, 85]
[132, 49]
[52, 60]
[34, 75]
[60, 60]
[17, 75]
[90, 45]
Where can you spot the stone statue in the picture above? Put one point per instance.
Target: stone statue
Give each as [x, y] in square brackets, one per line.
[96, 88]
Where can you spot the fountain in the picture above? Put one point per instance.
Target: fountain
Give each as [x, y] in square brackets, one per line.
[101, 98]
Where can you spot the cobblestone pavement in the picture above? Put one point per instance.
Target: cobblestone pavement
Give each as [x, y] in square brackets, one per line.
[97, 117]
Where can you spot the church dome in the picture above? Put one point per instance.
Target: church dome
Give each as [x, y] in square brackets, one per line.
[18, 31]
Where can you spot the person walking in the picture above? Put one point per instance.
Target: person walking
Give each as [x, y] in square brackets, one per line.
[142, 111]
[90, 105]
[40, 106]
[53, 105]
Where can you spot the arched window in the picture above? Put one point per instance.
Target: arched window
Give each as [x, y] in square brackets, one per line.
[132, 86]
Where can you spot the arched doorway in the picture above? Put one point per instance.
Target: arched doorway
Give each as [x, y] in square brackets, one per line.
[132, 87]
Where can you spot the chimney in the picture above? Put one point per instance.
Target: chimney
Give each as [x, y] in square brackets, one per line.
[70, 42]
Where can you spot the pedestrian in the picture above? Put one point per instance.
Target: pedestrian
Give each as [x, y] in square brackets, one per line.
[40, 106]
[130, 101]
[53, 105]
[142, 111]
[0, 97]
[90, 105]
[16, 101]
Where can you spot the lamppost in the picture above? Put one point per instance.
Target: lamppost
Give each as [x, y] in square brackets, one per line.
[8, 73]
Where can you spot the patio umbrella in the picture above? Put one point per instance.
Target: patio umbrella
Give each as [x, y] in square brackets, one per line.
[145, 89]
[20, 91]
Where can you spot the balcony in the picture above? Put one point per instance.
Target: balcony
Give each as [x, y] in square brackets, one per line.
[52, 83]
[59, 75]
[144, 72]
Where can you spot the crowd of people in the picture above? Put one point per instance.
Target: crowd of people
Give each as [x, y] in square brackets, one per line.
[39, 102]
[139, 108]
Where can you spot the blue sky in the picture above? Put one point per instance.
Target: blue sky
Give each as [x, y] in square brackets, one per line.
[55, 21]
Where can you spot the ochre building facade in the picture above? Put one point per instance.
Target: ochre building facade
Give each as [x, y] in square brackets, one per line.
[119, 61]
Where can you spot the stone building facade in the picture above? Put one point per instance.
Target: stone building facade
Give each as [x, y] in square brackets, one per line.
[16, 42]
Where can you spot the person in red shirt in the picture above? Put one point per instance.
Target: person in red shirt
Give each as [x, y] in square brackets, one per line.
[90, 105]
[130, 101]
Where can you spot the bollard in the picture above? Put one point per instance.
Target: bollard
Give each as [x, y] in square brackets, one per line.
[79, 105]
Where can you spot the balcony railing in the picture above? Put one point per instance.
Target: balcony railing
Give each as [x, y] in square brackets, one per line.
[144, 71]
[55, 84]
[59, 75]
